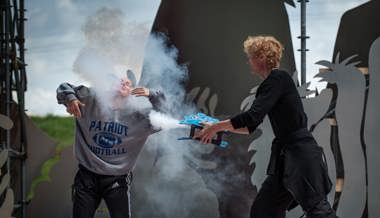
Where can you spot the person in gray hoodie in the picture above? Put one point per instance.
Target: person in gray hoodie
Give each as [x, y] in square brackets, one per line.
[108, 140]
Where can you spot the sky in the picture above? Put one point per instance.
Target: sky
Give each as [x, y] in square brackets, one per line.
[54, 37]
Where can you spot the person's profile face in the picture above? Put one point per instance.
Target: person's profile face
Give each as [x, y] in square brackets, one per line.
[253, 64]
[256, 64]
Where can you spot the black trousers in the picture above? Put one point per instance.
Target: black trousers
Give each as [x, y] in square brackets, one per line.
[89, 188]
[273, 199]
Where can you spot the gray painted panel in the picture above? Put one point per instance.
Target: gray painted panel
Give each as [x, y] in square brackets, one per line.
[5, 122]
[262, 148]
[7, 206]
[372, 127]
[322, 136]
[349, 108]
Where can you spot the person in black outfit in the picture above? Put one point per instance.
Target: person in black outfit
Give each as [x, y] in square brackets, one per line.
[297, 171]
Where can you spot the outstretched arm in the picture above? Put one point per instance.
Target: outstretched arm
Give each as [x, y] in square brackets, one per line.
[209, 130]
[157, 98]
[66, 93]
[70, 96]
[268, 94]
[243, 131]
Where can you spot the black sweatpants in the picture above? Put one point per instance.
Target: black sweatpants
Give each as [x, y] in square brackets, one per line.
[273, 199]
[89, 188]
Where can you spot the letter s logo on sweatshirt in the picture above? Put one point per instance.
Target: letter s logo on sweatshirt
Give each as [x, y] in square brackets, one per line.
[106, 140]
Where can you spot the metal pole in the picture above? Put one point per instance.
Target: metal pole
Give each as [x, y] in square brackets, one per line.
[8, 90]
[303, 38]
[21, 100]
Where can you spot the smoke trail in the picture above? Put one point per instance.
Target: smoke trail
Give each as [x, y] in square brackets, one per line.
[172, 178]
[164, 122]
[161, 71]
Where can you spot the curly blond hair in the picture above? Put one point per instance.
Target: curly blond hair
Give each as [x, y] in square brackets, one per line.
[267, 46]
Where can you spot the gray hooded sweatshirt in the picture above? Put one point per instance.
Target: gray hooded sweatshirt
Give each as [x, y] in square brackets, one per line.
[108, 144]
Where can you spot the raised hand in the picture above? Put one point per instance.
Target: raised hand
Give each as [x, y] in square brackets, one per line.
[73, 108]
[141, 91]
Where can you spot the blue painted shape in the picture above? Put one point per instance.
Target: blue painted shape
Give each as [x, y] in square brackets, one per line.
[198, 119]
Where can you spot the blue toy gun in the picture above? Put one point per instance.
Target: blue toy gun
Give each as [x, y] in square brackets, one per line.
[195, 121]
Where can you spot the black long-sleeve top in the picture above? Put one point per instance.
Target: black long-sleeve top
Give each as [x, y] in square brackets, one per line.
[304, 171]
[278, 97]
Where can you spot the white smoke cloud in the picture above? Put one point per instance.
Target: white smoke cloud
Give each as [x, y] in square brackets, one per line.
[113, 46]
[173, 171]
[163, 121]
[120, 40]
[161, 71]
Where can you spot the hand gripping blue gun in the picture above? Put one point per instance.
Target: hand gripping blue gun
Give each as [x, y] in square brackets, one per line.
[195, 121]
